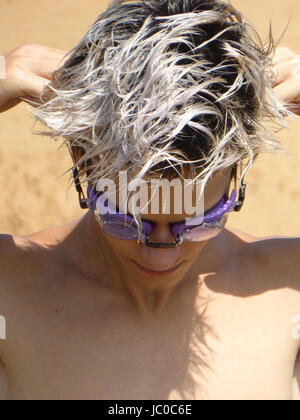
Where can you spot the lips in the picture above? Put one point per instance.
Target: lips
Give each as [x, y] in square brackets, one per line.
[158, 273]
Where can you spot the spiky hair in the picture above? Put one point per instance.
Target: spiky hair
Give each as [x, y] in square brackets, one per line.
[165, 83]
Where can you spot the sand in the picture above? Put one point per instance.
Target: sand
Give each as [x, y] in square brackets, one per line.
[32, 198]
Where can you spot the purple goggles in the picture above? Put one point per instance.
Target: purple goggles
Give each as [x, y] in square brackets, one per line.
[123, 226]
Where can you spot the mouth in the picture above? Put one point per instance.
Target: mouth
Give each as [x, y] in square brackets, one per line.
[158, 273]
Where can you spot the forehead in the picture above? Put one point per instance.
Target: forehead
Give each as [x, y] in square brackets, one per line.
[179, 198]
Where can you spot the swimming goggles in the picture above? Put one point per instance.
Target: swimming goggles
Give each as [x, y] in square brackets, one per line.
[123, 226]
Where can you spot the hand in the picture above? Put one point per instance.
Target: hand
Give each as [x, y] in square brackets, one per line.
[28, 70]
[286, 67]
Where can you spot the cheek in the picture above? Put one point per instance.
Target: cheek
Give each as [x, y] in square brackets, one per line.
[121, 248]
[192, 249]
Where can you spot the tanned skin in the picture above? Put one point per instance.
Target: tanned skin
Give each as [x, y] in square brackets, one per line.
[85, 320]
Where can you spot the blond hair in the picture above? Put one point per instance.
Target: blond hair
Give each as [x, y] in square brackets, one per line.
[165, 83]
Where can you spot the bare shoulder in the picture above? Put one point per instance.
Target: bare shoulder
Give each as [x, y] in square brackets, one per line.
[16, 259]
[23, 256]
[278, 255]
[19, 252]
[281, 254]
[243, 236]
[51, 237]
[12, 248]
[285, 248]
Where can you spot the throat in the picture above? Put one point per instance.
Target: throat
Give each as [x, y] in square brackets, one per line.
[150, 303]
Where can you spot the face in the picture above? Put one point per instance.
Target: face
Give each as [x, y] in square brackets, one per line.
[157, 268]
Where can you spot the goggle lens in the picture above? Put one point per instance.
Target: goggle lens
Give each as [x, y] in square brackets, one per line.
[117, 228]
[128, 231]
[204, 232]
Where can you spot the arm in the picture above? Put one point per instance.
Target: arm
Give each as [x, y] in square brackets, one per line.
[282, 253]
[287, 88]
[3, 384]
[24, 74]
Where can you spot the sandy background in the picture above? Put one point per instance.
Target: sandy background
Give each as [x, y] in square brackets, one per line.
[32, 198]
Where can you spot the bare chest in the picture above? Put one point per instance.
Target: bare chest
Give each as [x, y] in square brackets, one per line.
[227, 349]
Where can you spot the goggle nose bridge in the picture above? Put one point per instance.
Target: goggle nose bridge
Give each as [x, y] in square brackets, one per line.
[178, 241]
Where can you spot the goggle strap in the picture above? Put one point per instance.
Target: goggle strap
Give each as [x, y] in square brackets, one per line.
[242, 194]
[242, 190]
[82, 200]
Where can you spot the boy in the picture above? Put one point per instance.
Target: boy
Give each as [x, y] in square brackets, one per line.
[147, 306]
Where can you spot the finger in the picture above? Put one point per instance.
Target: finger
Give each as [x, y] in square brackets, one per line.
[45, 67]
[30, 100]
[281, 54]
[29, 85]
[41, 60]
[285, 70]
[289, 93]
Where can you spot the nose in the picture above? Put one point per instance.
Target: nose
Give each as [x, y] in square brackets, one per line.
[158, 258]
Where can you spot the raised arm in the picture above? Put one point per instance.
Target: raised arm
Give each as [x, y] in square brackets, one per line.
[24, 73]
[287, 88]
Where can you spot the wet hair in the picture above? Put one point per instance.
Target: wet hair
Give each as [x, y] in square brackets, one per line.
[160, 84]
